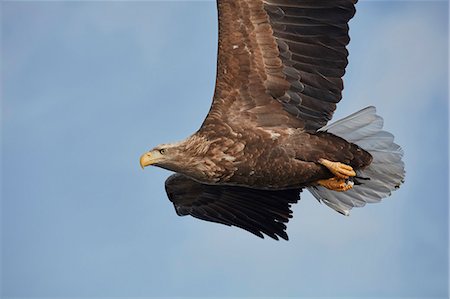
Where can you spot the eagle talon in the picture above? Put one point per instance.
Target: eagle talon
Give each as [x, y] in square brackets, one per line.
[336, 184]
[340, 170]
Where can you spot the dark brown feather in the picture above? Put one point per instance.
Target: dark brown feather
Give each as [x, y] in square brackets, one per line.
[282, 57]
[312, 36]
[257, 211]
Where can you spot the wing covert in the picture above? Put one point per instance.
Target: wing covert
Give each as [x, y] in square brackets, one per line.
[278, 59]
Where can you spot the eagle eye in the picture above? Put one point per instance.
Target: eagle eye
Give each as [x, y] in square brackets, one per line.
[162, 151]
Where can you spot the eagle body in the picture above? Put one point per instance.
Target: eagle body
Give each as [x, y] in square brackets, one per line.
[267, 134]
[287, 158]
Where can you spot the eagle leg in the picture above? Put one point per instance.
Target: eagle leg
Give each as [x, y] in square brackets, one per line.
[336, 184]
[340, 170]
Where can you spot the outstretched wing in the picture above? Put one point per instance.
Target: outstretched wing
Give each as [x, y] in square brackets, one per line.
[278, 59]
[257, 211]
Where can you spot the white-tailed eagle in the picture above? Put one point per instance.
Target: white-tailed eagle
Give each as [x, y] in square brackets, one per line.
[279, 77]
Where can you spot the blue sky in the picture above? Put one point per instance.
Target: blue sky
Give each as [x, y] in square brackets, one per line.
[87, 87]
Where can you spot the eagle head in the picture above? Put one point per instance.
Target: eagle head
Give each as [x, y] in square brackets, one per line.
[195, 157]
[164, 155]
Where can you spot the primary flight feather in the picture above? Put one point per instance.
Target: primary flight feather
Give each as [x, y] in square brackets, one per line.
[279, 77]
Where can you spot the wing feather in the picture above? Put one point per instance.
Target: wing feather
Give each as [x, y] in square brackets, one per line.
[312, 37]
[284, 57]
[257, 211]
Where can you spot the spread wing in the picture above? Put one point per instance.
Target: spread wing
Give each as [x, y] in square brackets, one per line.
[278, 59]
[257, 211]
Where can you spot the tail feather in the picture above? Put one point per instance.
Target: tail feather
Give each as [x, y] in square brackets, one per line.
[385, 173]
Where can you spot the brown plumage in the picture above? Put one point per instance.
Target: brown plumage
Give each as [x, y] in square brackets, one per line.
[279, 76]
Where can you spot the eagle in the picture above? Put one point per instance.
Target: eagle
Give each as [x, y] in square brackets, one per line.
[266, 137]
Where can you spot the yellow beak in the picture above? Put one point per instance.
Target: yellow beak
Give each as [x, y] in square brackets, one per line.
[146, 160]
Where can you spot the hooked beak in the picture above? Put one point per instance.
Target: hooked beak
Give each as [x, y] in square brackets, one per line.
[147, 159]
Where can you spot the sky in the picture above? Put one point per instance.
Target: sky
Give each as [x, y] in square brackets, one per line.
[87, 87]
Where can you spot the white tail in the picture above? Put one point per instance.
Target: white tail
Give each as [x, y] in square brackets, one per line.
[385, 173]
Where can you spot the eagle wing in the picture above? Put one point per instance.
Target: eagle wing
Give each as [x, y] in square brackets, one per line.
[257, 211]
[278, 59]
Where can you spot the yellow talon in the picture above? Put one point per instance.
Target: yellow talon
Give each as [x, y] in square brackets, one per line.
[340, 170]
[336, 184]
